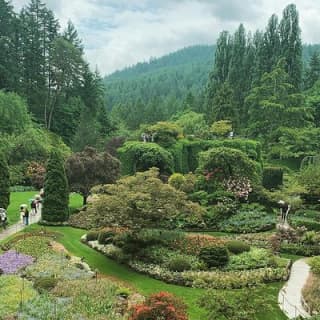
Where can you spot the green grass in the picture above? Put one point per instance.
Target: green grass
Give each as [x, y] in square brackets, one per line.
[16, 199]
[75, 201]
[71, 240]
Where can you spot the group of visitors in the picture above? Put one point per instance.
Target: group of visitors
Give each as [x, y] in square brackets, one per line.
[24, 212]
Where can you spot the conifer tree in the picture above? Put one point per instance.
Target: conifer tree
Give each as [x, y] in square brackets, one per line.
[56, 192]
[313, 71]
[4, 182]
[291, 46]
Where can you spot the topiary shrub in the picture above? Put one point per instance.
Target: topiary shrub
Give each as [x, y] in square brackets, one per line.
[56, 191]
[237, 247]
[214, 256]
[178, 264]
[272, 177]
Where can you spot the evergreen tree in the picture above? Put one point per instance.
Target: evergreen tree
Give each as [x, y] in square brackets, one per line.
[4, 182]
[224, 107]
[71, 34]
[272, 105]
[313, 71]
[56, 193]
[220, 71]
[290, 45]
[8, 59]
[236, 77]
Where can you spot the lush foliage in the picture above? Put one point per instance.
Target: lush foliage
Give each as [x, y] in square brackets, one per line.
[139, 156]
[56, 192]
[214, 256]
[4, 182]
[89, 168]
[141, 201]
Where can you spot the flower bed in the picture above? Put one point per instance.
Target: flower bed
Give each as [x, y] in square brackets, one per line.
[35, 246]
[11, 261]
[193, 243]
[213, 279]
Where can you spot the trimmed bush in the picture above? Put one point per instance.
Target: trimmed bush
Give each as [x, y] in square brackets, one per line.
[56, 192]
[272, 177]
[237, 247]
[214, 256]
[139, 156]
[178, 264]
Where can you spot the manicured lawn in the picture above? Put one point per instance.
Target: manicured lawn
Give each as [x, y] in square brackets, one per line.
[16, 199]
[71, 240]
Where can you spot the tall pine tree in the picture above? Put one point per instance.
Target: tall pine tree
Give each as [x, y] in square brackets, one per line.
[291, 46]
[56, 192]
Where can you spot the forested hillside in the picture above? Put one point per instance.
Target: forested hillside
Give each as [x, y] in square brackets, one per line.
[173, 80]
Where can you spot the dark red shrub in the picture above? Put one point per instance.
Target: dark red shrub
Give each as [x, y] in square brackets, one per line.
[160, 306]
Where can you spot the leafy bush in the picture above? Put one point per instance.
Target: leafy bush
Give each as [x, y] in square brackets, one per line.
[310, 293]
[237, 247]
[315, 265]
[165, 133]
[177, 180]
[139, 156]
[253, 259]
[214, 256]
[250, 218]
[161, 305]
[272, 177]
[92, 235]
[308, 223]
[45, 284]
[300, 249]
[178, 264]
[106, 236]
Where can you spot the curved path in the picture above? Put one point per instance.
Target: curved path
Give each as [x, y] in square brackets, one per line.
[290, 295]
[20, 226]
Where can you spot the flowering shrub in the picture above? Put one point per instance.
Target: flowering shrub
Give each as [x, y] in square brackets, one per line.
[11, 261]
[213, 279]
[160, 306]
[193, 243]
[35, 246]
[10, 294]
[57, 266]
[36, 172]
[239, 186]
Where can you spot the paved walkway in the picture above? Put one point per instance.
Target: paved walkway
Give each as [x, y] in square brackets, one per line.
[20, 226]
[290, 295]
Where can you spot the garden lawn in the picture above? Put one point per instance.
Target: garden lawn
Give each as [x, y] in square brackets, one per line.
[16, 199]
[147, 285]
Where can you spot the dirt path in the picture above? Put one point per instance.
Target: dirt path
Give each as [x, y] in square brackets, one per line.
[290, 295]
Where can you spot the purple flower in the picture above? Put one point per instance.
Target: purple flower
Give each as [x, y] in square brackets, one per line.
[12, 261]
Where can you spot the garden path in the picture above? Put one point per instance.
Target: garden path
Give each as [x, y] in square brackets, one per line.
[290, 295]
[20, 226]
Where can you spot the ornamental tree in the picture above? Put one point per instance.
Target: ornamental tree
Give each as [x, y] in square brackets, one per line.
[89, 168]
[140, 201]
[56, 191]
[4, 182]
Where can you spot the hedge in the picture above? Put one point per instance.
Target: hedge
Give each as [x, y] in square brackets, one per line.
[272, 177]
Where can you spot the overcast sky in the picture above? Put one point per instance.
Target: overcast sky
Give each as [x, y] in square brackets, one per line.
[119, 33]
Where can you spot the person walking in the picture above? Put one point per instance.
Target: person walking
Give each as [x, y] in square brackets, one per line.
[3, 218]
[33, 207]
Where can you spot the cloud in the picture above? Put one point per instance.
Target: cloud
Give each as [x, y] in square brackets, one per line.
[119, 33]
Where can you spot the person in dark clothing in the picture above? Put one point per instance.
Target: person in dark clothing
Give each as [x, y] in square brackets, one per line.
[33, 207]
[284, 210]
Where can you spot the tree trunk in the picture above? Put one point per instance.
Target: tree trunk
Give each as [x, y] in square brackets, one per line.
[85, 200]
